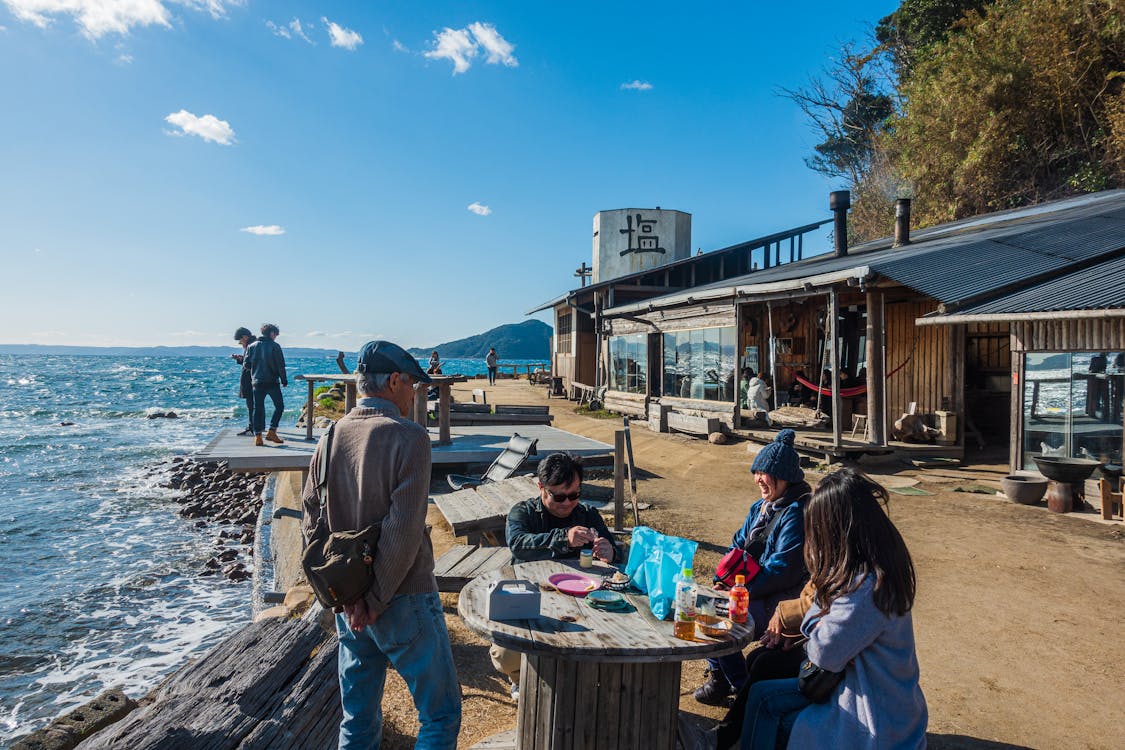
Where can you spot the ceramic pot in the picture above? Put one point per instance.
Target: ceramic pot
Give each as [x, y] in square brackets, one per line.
[1024, 489]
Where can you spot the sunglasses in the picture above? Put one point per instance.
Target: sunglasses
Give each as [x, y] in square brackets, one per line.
[561, 497]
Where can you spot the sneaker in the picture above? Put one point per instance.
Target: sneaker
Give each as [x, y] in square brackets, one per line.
[515, 690]
[715, 691]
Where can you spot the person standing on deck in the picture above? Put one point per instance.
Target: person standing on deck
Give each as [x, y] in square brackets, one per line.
[267, 372]
[245, 384]
[491, 360]
[379, 471]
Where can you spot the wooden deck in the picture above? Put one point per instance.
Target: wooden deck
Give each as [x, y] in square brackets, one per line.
[818, 444]
[471, 444]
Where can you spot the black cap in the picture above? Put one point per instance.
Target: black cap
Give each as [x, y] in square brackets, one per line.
[384, 356]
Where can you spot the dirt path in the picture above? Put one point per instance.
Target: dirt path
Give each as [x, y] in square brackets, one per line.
[1018, 616]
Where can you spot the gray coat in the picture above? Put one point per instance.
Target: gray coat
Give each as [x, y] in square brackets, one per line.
[879, 704]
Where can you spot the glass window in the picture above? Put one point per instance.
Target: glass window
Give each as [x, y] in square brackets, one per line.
[1072, 405]
[564, 333]
[628, 356]
[700, 364]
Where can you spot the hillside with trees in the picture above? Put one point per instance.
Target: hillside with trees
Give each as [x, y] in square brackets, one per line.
[971, 106]
[528, 340]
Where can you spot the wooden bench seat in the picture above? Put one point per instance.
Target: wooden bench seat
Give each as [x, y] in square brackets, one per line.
[464, 562]
[692, 424]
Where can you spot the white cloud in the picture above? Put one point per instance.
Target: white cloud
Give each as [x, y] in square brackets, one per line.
[498, 48]
[290, 30]
[315, 334]
[460, 46]
[208, 127]
[264, 230]
[636, 85]
[99, 17]
[479, 208]
[453, 45]
[399, 46]
[189, 334]
[342, 37]
[125, 59]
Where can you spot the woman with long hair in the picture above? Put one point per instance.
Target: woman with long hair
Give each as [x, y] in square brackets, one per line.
[859, 626]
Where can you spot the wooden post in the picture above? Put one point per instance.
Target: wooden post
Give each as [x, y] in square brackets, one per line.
[309, 411]
[837, 402]
[876, 369]
[619, 480]
[349, 395]
[420, 404]
[772, 353]
[955, 376]
[444, 397]
[1015, 437]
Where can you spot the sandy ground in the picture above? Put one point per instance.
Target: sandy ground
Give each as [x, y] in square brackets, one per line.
[1018, 615]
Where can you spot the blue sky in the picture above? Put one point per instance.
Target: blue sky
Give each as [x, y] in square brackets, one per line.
[141, 139]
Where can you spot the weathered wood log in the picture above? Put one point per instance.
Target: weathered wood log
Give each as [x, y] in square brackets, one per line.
[272, 684]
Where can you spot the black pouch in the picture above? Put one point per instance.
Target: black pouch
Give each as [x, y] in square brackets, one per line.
[817, 684]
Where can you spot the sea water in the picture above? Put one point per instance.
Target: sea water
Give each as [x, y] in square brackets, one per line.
[99, 576]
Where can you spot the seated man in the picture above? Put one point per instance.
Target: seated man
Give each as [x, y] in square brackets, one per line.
[553, 526]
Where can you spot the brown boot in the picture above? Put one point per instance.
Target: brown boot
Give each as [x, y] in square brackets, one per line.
[258, 439]
[272, 436]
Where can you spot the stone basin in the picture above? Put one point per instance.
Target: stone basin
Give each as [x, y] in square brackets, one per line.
[1068, 470]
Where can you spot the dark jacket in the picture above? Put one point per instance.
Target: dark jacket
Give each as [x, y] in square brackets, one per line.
[534, 534]
[783, 570]
[267, 363]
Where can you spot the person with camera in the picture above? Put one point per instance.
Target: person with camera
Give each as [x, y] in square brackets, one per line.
[245, 383]
[378, 471]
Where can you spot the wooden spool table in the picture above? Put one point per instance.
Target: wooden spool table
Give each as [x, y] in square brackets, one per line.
[591, 679]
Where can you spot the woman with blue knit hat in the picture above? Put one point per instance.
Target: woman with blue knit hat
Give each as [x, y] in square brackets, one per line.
[774, 535]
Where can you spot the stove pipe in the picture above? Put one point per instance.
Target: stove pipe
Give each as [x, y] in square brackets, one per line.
[840, 201]
[902, 222]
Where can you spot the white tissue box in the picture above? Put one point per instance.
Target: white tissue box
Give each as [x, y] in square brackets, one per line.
[513, 600]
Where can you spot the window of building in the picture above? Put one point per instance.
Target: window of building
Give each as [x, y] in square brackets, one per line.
[563, 332]
[1072, 405]
[700, 364]
[628, 357]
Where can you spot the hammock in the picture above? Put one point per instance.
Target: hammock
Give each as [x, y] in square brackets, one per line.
[856, 390]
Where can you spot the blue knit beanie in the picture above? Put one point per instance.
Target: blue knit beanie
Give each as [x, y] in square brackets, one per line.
[778, 459]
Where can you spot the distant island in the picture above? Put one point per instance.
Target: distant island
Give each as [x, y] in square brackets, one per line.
[528, 340]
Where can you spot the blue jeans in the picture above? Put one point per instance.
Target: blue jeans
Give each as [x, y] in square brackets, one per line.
[771, 709]
[411, 635]
[732, 666]
[250, 411]
[259, 414]
[492, 375]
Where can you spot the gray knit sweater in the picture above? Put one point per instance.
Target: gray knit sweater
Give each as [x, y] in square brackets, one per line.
[379, 469]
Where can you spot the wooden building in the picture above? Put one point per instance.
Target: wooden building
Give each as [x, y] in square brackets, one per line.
[675, 358]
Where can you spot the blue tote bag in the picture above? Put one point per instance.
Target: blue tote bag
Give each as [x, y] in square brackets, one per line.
[655, 561]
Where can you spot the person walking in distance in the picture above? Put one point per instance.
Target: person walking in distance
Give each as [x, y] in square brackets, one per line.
[491, 360]
[267, 373]
[245, 384]
[378, 471]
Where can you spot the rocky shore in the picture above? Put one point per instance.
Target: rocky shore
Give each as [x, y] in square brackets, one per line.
[216, 496]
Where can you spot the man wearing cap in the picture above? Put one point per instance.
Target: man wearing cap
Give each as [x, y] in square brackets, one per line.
[379, 471]
[267, 371]
[245, 383]
[774, 534]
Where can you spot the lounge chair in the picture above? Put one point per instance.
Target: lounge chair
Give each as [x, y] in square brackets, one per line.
[505, 465]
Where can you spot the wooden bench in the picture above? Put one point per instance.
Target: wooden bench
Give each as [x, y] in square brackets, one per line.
[1111, 501]
[464, 562]
[484, 510]
[634, 404]
[692, 424]
[465, 408]
[519, 409]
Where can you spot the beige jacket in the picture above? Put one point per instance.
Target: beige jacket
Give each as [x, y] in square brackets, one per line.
[792, 611]
[379, 470]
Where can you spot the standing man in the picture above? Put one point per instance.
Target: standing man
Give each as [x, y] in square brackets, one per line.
[552, 526]
[491, 360]
[267, 373]
[245, 384]
[379, 470]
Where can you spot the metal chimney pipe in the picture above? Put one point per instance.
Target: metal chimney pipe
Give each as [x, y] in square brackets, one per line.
[902, 222]
[840, 201]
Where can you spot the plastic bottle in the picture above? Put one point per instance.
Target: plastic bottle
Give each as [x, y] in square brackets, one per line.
[683, 626]
[739, 600]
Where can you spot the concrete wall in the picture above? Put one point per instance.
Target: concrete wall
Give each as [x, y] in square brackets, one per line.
[630, 240]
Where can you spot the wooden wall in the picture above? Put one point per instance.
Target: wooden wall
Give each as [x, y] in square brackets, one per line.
[923, 379]
[1069, 335]
[697, 316]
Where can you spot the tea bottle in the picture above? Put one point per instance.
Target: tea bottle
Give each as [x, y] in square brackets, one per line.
[739, 600]
[683, 626]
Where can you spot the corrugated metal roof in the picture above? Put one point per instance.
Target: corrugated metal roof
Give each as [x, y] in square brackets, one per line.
[1100, 287]
[964, 260]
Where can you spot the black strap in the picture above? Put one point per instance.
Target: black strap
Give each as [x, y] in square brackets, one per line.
[322, 475]
[756, 545]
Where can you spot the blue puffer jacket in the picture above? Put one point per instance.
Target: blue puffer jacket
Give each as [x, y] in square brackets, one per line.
[783, 570]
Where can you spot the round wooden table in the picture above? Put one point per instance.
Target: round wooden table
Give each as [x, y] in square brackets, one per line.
[591, 679]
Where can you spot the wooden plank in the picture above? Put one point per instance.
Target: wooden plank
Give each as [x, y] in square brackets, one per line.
[610, 687]
[562, 731]
[585, 705]
[545, 708]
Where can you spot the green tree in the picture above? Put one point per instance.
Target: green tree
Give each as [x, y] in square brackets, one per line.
[918, 25]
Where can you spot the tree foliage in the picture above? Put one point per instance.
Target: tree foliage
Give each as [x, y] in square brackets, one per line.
[919, 25]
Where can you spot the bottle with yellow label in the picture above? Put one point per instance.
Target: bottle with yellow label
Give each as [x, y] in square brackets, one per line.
[683, 626]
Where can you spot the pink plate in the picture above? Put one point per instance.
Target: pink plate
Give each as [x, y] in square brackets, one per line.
[573, 584]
